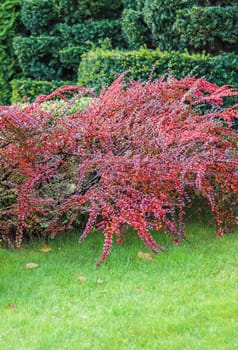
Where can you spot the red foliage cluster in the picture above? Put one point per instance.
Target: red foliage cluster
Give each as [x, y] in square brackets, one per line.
[137, 155]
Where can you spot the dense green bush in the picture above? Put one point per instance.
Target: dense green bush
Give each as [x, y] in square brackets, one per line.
[217, 2]
[213, 29]
[101, 67]
[72, 12]
[27, 89]
[93, 32]
[134, 29]
[10, 25]
[54, 57]
[38, 16]
[133, 4]
[160, 15]
[38, 57]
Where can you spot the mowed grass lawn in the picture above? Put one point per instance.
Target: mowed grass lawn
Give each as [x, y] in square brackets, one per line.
[185, 298]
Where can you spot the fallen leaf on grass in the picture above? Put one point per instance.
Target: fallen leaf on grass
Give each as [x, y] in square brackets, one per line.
[29, 266]
[138, 289]
[84, 317]
[12, 306]
[81, 278]
[145, 256]
[45, 249]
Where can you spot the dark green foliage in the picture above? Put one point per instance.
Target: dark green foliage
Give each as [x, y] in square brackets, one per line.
[133, 4]
[9, 26]
[82, 34]
[213, 29]
[160, 15]
[217, 2]
[39, 57]
[73, 11]
[38, 16]
[101, 67]
[70, 57]
[6, 71]
[26, 90]
[57, 57]
[134, 29]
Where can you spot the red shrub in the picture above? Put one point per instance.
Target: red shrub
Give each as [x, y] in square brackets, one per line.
[138, 155]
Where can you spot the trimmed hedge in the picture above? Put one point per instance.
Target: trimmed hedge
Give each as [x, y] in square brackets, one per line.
[38, 16]
[133, 4]
[54, 58]
[160, 15]
[134, 29]
[38, 57]
[26, 90]
[10, 26]
[77, 11]
[213, 29]
[217, 2]
[82, 34]
[101, 67]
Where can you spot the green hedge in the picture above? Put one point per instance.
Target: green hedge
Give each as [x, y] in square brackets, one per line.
[160, 15]
[38, 57]
[213, 29]
[82, 34]
[78, 11]
[54, 57]
[9, 26]
[217, 2]
[26, 90]
[38, 16]
[134, 29]
[102, 67]
[133, 4]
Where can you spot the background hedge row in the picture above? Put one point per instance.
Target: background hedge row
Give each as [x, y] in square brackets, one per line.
[101, 67]
[46, 41]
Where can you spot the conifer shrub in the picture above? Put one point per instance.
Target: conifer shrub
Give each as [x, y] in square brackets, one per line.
[134, 29]
[212, 29]
[38, 16]
[10, 26]
[38, 56]
[56, 56]
[136, 156]
[160, 15]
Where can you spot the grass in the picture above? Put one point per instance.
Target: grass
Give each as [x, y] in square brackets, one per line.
[185, 298]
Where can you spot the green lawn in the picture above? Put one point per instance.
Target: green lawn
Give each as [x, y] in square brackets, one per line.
[185, 298]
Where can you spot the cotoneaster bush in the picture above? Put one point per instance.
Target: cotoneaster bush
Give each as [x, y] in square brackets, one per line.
[137, 156]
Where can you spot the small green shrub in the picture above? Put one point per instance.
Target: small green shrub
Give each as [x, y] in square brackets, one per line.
[38, 16]
[213, 29]
[160, 15]
[26, 90]
[101, 67]
[38, 57]
[134, 29]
